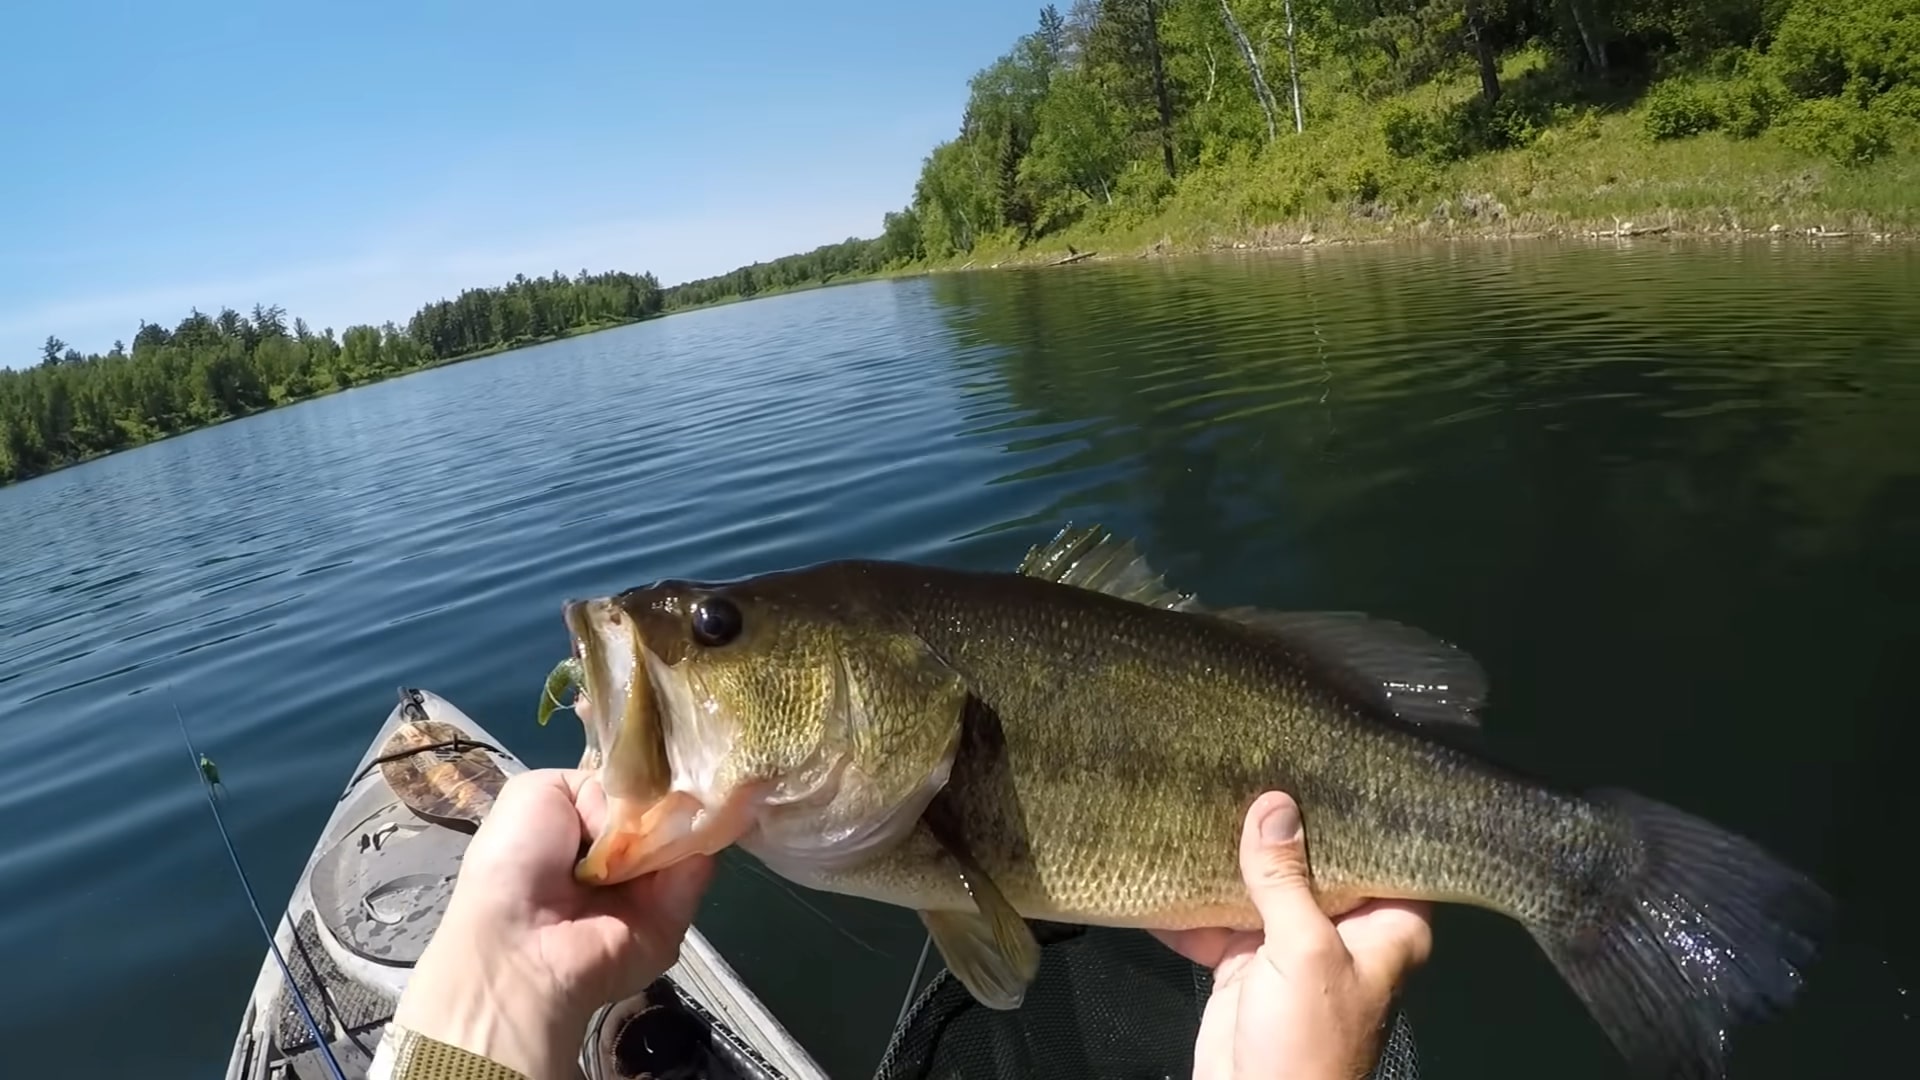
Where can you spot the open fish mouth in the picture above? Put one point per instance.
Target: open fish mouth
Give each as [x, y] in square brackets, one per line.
[632, 704]
[626, 744]
[609, 677]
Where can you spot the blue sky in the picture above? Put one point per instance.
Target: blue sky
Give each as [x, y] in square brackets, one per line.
[351, 160]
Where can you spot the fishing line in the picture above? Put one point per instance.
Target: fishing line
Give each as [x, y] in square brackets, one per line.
[779, 883]
[1326, 370]
[918, 967]
[299, 999]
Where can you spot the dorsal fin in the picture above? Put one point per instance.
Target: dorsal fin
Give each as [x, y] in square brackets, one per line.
[1403, 669]
[1093, 558]
[1399, 668]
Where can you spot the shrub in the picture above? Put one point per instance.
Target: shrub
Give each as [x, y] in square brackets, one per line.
[1749, 104]
[1405, 130]
[1836, 130]
[1676, 110]
[1828, 47]
[1514, 122]
[1143, 184]
[1364, 181]
[1475, 127]
[1902, 103]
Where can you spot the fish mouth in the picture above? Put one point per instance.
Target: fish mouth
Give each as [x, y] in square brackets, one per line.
[615, 700]
[608, 664]
[634, 704]
[646, 823]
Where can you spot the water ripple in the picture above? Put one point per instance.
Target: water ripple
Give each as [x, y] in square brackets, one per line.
[1425, 430]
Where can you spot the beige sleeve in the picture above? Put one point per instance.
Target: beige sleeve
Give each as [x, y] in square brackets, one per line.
[409, 1055]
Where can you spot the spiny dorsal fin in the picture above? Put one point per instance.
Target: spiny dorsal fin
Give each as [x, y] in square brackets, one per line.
[1093, 558]
[1404, 669]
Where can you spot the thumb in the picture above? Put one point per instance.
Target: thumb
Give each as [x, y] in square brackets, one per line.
[679, 888]
[1273, 860]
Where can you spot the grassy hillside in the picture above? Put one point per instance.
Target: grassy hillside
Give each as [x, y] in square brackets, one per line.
[1140, 126]
[1579, 167]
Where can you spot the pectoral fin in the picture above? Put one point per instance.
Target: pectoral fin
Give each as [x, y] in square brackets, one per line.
[991, 949]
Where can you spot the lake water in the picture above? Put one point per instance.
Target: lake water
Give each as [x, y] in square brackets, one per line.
[1669, 496]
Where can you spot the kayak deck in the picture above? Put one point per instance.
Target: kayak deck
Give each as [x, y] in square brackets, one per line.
[375, 887]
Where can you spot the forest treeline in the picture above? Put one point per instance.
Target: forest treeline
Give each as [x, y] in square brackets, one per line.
[209, 368]
[1103, 114]
[1105, 111]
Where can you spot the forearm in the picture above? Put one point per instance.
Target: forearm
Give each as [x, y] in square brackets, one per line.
[486, 1002]
[525, 953]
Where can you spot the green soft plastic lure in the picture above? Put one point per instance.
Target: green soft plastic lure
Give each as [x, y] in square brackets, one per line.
[564, 676]
[211, 774]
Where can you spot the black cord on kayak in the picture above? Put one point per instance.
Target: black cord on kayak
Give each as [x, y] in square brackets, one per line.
[208, 778]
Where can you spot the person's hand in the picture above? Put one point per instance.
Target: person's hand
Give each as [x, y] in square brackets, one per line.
[1307, 998]
[524, 953]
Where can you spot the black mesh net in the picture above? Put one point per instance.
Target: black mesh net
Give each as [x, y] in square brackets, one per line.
[1106, 1003]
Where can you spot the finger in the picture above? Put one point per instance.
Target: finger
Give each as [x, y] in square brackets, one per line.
[1273, 862]
[1205, 946]
[590, 799]
[574, 780]
[1388, 939]
[528, 787]
[521, 785]
[678, 889]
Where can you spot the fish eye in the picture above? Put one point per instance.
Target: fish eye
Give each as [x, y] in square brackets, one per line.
[716, 621]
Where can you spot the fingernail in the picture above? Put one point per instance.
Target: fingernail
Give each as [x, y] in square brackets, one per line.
[1282, 823]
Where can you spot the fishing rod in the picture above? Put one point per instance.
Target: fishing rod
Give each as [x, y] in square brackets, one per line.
[209, 779]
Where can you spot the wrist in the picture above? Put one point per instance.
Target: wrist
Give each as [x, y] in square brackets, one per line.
[490, 1000]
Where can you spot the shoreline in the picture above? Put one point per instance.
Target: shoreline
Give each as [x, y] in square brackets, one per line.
[1569, 159]
[327, 393]
[1300, 235]
[1265, 239]
[1708, 135]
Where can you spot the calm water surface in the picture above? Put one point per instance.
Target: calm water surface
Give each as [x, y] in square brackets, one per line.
[1670, 497]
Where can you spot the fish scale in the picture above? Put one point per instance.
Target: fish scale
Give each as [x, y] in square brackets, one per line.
[1128, 767]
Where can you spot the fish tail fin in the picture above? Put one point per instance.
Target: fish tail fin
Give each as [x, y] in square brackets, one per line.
[1702, 931]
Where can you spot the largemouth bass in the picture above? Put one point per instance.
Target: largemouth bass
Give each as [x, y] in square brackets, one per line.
[1078, 742]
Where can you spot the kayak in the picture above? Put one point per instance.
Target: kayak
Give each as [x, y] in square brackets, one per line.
[375, 887]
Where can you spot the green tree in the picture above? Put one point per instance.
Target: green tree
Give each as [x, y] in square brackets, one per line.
[269, 320]
[1081, 143]
[207, 369]
[1123, 52]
